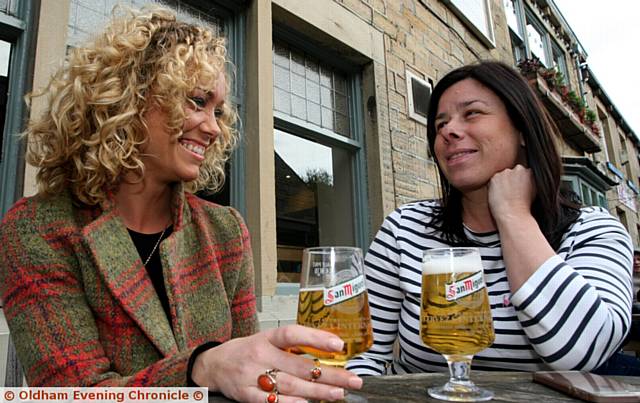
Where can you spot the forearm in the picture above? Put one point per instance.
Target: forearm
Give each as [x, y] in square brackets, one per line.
[524, 247]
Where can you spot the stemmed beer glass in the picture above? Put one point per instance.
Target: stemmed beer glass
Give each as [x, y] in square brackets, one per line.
[455, 318]
[333, 297]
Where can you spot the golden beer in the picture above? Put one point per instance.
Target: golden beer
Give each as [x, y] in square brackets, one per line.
[348, 319]
[455, 314]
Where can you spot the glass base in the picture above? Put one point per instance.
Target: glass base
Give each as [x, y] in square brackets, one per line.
[460, 392]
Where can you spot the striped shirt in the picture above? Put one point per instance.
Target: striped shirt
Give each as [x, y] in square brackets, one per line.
[571, 314]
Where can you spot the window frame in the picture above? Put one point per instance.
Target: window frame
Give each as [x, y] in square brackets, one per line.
[355, 144]
[13, 29]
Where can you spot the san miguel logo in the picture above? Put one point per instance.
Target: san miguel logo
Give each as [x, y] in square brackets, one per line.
[464, 287]
[344, 291]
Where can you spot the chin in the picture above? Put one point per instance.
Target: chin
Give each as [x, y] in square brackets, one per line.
[189, 176]
[467, 185]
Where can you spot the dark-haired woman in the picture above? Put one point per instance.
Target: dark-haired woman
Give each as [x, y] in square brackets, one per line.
[558, 276]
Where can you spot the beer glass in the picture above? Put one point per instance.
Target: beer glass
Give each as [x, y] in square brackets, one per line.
[455, 317]
[333, 297]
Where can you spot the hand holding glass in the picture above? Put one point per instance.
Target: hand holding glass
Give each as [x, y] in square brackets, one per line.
[456, 317]
[333, 297]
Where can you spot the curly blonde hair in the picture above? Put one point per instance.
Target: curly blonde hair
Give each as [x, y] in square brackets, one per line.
[89, 137]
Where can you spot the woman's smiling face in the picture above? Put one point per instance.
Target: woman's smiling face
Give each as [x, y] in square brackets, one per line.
[475, 137]
[168, 159]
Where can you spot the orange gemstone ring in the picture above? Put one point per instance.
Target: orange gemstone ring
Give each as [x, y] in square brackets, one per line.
[268, 383]
[272, 398]
[316, 371]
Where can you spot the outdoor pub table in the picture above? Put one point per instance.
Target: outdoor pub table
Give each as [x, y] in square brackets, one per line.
[507, 387]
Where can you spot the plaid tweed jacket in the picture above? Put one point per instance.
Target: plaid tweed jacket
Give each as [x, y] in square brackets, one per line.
[82, 309]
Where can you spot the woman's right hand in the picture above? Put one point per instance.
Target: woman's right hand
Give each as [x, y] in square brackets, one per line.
[233, 367]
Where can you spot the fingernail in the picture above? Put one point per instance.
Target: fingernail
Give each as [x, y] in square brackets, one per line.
[336, 394]
[355, 382]
[336, 344]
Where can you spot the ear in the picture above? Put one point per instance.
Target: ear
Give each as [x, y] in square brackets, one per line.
[522, 152]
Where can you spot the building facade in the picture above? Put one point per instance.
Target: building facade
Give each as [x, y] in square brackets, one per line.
[332, 96]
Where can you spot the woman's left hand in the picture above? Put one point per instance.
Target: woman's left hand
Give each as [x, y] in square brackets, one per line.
[511, 193]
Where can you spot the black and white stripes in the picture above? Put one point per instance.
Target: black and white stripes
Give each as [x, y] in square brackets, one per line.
[573, 313]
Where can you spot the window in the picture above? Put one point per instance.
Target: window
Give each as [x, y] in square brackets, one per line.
[307, 90]
[584, 192]
[5, 52]
[419, 93]
[622, 216]
[586, 180]
[537, 39]
[477, 15]
[85, 18]
[513, 11]
[608, 139]
[318, 157]
[559, 61]
[624, 156]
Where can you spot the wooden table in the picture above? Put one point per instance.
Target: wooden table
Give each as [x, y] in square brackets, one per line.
[508, 387]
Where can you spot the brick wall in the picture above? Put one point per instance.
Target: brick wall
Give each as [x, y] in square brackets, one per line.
[428, 39]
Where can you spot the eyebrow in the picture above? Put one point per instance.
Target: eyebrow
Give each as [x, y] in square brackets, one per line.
[460, 106]
[209, 93]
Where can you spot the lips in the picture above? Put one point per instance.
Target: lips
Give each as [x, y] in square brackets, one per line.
[458, 155]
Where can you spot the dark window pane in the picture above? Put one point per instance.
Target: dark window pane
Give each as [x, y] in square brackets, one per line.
[5, 53]
[421, 95]
[314, 203]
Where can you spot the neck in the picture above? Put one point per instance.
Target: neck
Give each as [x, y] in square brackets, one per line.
[144, 207]
[476, 213]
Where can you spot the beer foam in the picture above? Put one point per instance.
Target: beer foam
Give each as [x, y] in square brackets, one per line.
[446, 264]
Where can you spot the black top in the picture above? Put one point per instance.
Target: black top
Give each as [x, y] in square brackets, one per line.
[144, 244]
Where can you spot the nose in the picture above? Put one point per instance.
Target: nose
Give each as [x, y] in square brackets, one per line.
[209, 124]
[451, 131]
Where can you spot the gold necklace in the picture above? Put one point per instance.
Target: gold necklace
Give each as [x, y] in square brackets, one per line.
[155, 246]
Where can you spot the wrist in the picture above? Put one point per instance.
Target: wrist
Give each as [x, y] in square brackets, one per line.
[514, 219]
[198, 367]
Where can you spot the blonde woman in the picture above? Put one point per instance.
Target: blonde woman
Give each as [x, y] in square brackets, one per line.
[115, 274]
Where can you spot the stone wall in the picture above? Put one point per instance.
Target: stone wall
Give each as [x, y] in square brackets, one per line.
[428, 39]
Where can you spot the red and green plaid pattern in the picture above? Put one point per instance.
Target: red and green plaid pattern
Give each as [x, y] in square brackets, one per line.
[82, 309]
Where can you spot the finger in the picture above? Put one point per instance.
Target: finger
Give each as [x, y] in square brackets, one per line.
[296, 335]
[301, 367]
[289, 385]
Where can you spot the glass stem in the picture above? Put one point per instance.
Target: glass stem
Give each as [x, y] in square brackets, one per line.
[459, 369]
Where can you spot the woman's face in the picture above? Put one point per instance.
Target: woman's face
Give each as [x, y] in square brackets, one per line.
[170, 160]
[475, 138]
